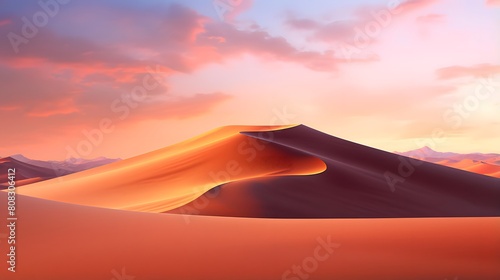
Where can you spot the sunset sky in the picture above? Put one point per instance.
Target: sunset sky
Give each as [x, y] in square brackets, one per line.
[120, 78]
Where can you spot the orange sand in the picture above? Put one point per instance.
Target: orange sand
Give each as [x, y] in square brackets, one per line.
[63, 241]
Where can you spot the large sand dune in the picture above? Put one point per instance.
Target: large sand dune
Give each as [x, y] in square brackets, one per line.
[171, 177]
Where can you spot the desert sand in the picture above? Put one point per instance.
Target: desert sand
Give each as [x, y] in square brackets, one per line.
[63, 241]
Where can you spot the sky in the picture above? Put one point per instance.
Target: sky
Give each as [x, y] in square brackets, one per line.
[121, 78]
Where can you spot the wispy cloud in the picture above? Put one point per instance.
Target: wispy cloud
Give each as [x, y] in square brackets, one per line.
[479, 70]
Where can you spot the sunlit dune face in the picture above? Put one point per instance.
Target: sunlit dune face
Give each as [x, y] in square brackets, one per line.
[171, 177]
[485, 168]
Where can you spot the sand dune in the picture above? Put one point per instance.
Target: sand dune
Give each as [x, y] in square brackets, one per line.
[254, 169]
[61, 241]
[489, 168]
[32, 171]
[68, 166]
[484, 168]
[353, 186]
[168, 178]
[25, 173]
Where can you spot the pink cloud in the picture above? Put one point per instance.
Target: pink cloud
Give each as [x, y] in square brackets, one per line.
[325, 32]
[493, 3]
[4, 22]
[347, 31]
[302, 23]
[229, 10]
[480, 70]
[59, 107]
[431, 18]
[260, 43]
[410, 5]
[9, 108]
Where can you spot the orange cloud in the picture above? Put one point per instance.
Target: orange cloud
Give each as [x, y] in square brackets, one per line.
[480, 70]
[410, 5]
[60, 107]
[9, 108]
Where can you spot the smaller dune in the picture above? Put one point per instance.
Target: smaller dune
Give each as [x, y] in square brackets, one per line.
[485, 164]
[484, 168]
[25, 173]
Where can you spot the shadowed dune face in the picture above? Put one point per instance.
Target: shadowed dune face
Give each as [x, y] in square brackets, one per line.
[354, 185]
[171, 177]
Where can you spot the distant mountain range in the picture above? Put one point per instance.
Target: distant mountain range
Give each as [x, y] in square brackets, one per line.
[486, 164]
[30, 171]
